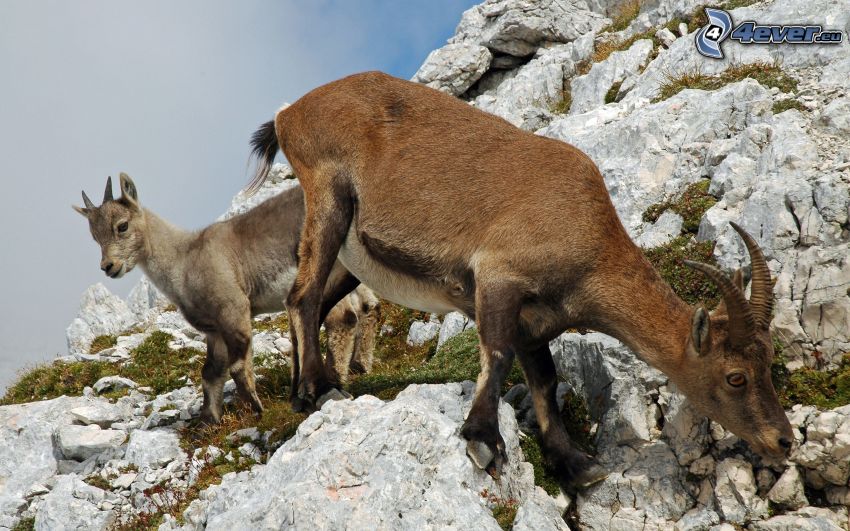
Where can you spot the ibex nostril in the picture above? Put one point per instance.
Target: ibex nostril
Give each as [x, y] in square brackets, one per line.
[785, 443]
[106, 267]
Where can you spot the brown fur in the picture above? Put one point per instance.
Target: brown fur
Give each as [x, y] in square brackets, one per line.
[226, 273]
[440, 206]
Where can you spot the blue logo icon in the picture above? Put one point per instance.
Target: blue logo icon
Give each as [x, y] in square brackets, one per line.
[708, 39]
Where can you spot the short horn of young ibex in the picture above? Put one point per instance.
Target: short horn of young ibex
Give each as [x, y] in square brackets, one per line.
[223, 275]
[438, 206]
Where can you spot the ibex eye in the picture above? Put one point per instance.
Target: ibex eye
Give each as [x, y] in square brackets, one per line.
[123, 227]
[736, 379]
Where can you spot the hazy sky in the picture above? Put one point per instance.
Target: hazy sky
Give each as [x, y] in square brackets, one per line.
[169, 92]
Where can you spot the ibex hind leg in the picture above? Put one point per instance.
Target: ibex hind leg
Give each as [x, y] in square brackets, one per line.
[497, 310]
[573, 467]
[329, 214]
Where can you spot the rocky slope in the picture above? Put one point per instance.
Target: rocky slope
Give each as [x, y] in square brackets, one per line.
[772, 152]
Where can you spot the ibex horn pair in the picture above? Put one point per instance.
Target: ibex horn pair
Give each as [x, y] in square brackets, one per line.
[744, 315]
[107, 195]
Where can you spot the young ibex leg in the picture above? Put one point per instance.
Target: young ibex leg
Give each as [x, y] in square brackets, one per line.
[573, 466]
[341, 327]
[326, 224]
[364, 343]
[214, 375]
[497, 311]
[242, 372]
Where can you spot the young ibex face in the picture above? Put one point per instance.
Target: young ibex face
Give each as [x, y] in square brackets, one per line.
[726, 369]
[118, 226]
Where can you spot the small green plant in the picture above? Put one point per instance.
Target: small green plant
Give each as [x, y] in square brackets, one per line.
[691, 205]
[786, 104]
[544, 477]
[280, 323]
[102, 343]
[563, 106]
[154, 364]
[504, 509]
[96, 480]
[767, 74]
[25, 524]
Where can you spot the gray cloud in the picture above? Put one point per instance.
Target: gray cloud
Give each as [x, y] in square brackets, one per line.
[168, 92]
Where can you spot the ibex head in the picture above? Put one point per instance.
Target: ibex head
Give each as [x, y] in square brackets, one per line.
[726, 369]
[118, 226]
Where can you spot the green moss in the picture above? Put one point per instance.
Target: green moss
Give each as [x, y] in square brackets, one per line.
[786, 104]
[729, 5]
[25, 524]
[97, 481]
[767, 74]
[810, 387]
[56, 379]
[543, 475]
[153, 364]
[577, 420]
[102, 343]
[691, 205]
[611, 95]
[690, 285]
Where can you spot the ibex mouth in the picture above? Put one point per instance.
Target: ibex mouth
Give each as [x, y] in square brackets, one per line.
[120, 272]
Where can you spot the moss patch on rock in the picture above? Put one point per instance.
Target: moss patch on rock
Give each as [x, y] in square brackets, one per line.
[56, 379]
[102, 343]
[691, 205]
[811, 387]
[690, 285]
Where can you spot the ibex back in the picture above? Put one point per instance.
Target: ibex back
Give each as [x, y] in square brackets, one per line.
[439, 206]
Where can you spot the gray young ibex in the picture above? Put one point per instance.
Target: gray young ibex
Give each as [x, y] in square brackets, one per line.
[438, 206]
[224, 274]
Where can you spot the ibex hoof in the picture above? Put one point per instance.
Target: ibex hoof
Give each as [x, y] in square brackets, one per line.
[486, 459]
[589, 477]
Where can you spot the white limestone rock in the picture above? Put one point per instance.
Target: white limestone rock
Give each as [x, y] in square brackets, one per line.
[154, 449]
[81, 442]
[73, 505]
[422, 332]
[365, 463]
[454, 68]
[101, 313]
[588, 91]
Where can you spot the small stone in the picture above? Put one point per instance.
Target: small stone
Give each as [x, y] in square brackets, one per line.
[114, 383]
[789, 490]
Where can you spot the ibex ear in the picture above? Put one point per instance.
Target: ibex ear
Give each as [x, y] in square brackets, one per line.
[83, 211]
[128, 190]
[700, 330]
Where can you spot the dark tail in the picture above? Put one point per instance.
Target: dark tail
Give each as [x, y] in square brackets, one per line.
[264, 147]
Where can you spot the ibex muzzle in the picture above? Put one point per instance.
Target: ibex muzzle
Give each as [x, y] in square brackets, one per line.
[418, 193]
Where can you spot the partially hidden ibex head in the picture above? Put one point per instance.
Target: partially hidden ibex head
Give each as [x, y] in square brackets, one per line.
[726, 367]
[118, 226]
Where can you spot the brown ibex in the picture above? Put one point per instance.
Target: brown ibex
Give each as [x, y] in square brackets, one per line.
[438, 206]
[221, 276]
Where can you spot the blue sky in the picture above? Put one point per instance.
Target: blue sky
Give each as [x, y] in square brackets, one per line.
[170, 93]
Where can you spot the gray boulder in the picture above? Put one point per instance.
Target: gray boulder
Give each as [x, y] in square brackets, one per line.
[73, 505]
[454, 67]
[81, 442]
[101, 313]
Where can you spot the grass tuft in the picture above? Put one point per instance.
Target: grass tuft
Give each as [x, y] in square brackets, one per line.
[504, 509]
[563, 106]
[767, 74]
[102, 343]
[786, 104]
[25, 524]
[625, 14]
[611, 95]
[56, 379]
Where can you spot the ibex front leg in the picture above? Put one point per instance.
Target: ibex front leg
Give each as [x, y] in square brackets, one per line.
[573, 466]
[329, 212]
[497, 310]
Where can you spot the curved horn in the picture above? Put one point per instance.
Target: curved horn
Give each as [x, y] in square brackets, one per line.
[107, 194]
[761, 293]
[741, 323]
[88, 202]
